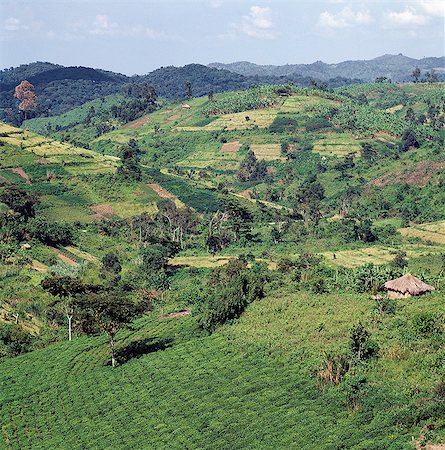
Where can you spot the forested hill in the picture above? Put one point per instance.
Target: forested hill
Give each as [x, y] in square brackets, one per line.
[60, 89]
[397, 67]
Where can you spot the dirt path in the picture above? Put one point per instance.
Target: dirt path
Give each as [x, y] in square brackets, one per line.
[19, 171]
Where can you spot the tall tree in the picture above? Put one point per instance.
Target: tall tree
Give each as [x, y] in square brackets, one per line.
[416, 74]
[65, 289]
[129, 168]
[26, 94]
[188, 89]
[109, 312]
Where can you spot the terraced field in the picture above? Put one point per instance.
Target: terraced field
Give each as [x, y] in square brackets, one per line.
[433, 232]
[377, 255]
[303, 103]
[207, 261]
[267, 152]
[47, 151]
[260, 118]
[337, 144]
[206, 156]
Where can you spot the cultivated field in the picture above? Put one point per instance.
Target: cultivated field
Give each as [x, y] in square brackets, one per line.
[267, 152]
[259, 118]
[337, 144]
[433, 232]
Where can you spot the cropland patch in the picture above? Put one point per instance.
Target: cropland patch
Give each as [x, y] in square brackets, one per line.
[163, 193]
[231, 147]
[267, 152]
[19, 171]
[81, 254]
[433, 232]
[261, 118]
[337, 144]
[64, 258]
[375, 255]
[138, 123]
[303, 103]
[419, 174]
[102, 211]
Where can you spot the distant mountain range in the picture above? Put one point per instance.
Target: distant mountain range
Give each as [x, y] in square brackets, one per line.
[60, 88]
[396, 67]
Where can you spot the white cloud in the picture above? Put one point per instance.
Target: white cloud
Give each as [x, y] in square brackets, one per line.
[345, 18]
[103, 26]
[433, 7]
[257, 24]
[13, 24]
[406, 18]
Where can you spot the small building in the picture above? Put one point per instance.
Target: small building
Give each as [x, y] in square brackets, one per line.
[186, 106]
[406, 286]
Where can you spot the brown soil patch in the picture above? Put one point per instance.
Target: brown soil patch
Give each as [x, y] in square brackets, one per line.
[19, 171]
[138, 193]
[173, 118]
[64, 258]
[42, 161]
[174, 315]
[416, 175]
[163, 193]
[230, 147]
[138, 123]
[168, 111]
[102, 211]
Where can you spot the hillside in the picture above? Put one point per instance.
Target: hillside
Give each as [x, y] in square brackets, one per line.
[60, 89]
[395, 67]
[256, 228]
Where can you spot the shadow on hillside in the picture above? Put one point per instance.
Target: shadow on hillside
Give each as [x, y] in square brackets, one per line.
[142, 347]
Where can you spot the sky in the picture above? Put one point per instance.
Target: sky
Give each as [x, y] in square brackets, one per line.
[138, 36]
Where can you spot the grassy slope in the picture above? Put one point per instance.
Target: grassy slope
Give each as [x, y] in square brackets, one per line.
[246, 386]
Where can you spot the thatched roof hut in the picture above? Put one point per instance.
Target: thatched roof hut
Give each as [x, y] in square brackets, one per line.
[186, 106]
[406, 286]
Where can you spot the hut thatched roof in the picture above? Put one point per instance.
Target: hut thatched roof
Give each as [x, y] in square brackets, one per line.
[408, 284]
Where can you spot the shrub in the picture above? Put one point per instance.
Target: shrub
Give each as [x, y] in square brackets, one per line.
[317, 123]
[13, 340]
[427, 323]
[333, 368]
[232, 288]
[51, 233]
[360, 344]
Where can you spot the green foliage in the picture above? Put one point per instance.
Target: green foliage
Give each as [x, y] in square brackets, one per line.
[371, 278]
[360, 343]
[13, 340]
[251, 169]
[283, 124]
[428, 323]
[256, 98]
[232, 288]
[51, 233]
[154, 258]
